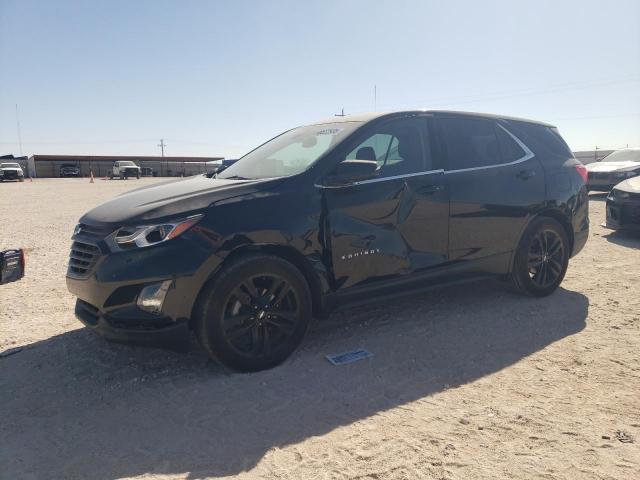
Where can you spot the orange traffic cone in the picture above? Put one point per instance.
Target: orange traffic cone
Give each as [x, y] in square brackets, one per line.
[91, 181]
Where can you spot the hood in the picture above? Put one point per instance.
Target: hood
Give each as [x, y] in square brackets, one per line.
[11, 169]
[170, 199]
[612, 166]
[632, 185]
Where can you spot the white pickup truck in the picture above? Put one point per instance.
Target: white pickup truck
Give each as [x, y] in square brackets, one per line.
[11, 171]
[124, 169]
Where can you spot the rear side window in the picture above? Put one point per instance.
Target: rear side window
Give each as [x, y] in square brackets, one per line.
[509, 148]
[542, 139]
[470, 142]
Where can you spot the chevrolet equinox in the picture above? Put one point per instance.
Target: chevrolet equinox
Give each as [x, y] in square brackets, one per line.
[330, 214]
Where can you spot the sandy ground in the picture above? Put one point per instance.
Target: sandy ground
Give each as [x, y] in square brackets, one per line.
[466, 382]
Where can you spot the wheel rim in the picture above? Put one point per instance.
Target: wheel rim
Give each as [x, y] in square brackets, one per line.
[546, 258]
[260, 315]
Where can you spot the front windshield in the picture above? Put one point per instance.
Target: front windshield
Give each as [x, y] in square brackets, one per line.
[290, 153]
[127, 164]
[630, 155]
[9, 165]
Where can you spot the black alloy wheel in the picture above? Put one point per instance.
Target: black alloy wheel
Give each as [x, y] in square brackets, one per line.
[254, 313]
[546, 256]
[542, 258]
[260, 315]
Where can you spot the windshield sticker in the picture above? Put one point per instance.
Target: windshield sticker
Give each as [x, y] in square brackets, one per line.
[328, 131]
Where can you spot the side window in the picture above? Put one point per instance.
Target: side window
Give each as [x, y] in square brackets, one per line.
[470, 142]
[398, 147]
[509, 148]
[116, 164]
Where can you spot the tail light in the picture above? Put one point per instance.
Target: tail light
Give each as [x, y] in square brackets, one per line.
[582, 171]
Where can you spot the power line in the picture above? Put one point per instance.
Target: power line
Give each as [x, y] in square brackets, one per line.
[462, 100]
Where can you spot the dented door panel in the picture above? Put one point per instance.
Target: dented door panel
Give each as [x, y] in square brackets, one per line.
[382, 229]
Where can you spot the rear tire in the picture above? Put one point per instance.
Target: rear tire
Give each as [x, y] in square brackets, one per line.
[541, 259]
[254, 314]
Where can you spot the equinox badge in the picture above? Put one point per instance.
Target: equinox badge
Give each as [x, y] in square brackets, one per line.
[361, 253]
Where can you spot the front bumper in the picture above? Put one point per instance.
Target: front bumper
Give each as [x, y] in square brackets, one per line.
[107, 285]
[11, 176]
[623, 215]
[162, 332]
[603, 181]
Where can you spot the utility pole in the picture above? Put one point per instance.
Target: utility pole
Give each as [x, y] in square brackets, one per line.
[162, 145]
[18, 128]
[375, 98]
[341, 114]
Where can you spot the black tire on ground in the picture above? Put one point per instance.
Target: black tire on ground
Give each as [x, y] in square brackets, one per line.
[110, 175]
[254, 314]
[541, 259]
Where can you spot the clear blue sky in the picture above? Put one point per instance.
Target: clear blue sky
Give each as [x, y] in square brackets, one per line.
[217, 78]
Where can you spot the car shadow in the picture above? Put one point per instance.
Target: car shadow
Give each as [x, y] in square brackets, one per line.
[624, 238]
[75, 406]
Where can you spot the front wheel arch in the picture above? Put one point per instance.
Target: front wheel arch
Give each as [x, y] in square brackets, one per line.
[317, 285]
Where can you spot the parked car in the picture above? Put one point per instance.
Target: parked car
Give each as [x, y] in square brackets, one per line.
[623, 206]
[124, 169]
[11, 171]
[146, 171]
[345, 211]
[69, 170]
[613, 169]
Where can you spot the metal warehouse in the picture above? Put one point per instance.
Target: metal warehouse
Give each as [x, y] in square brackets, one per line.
[50, 165]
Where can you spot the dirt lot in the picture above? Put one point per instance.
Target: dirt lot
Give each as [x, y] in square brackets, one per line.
[466, 382]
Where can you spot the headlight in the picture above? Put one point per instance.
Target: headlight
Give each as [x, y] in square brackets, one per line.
[147, 235]
[624, 174]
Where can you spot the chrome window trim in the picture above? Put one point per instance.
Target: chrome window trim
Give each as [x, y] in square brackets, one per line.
[382, 179]
[528, 155]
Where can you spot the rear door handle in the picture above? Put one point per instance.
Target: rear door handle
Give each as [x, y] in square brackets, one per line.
[526, 174]
[431, 189]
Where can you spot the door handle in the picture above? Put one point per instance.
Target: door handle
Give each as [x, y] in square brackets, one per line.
[431, 189]
[526, 174]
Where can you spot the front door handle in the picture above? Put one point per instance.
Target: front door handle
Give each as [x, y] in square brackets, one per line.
[526, 174]
[430, 189]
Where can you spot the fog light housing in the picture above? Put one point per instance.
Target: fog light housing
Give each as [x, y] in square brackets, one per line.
[151, 298]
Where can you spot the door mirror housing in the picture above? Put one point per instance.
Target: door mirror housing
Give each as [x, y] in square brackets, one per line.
[350, 171]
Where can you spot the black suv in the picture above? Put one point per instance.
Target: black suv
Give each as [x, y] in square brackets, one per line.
[338, 212]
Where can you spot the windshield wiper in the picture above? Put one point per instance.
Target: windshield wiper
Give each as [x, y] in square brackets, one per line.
[235, 177]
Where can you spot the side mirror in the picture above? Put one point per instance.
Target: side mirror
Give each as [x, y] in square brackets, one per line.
[350, 171]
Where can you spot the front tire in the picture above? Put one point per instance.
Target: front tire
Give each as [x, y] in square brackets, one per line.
[541, 259]
[254, 314]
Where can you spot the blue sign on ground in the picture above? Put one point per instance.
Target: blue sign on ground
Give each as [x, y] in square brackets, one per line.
[349, 357]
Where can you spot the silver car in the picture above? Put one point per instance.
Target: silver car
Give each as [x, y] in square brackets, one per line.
[613, 169]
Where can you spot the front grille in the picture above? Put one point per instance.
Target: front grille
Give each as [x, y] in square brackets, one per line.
[93, 231]
[599, 175]
[624, 214]
[631, 213]
[82, 257]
